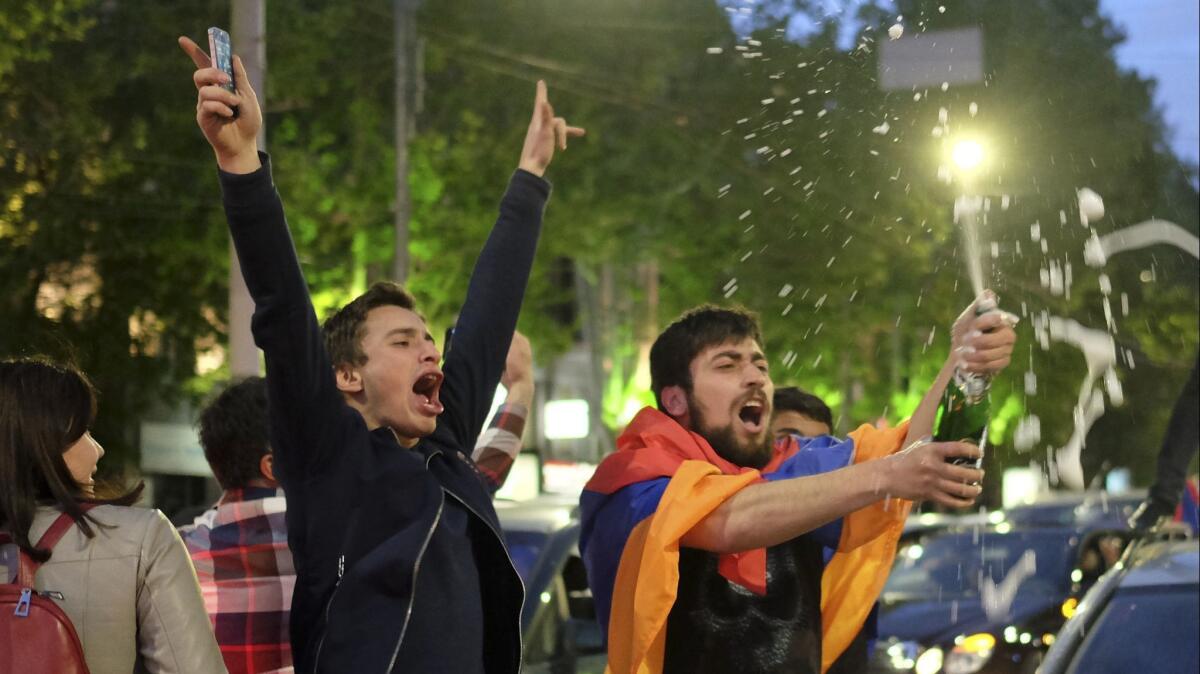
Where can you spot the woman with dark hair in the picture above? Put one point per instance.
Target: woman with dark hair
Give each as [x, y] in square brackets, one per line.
[121, 574]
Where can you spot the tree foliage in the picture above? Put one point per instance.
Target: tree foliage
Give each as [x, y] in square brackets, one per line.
[729, 158]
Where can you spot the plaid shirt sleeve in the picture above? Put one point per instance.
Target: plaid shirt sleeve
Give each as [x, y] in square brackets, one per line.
[246, 576]
[499, 445]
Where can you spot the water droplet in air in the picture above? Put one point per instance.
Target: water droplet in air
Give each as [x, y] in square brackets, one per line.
[1091, 206]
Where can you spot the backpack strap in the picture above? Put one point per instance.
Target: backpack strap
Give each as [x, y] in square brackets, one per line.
[28, 565]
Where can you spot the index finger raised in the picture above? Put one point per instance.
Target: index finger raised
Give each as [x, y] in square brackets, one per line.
[195, 52]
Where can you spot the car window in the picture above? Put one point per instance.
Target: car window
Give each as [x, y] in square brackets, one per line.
[1144, 630]
[953, 564]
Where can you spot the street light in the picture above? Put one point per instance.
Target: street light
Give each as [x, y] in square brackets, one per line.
[967, 154]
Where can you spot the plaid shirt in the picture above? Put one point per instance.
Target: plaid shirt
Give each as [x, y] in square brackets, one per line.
[240, 552]
[499, 445]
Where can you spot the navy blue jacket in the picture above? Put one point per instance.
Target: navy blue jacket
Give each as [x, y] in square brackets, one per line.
[363, 511]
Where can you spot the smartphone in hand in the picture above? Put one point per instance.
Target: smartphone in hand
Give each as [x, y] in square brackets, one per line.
[221, 53]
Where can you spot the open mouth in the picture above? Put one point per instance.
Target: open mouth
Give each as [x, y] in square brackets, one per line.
[426, 389]
[751, 414]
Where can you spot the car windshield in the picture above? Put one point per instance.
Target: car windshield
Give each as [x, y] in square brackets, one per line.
[1146, 629]
[955, 564]
[524, 547]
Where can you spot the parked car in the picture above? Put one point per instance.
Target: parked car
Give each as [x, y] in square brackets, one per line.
[1093, 508]
[986, 598]
[1143, 616]
[558, 622]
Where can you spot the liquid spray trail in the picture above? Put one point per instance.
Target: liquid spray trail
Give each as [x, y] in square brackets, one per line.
[1099, 248]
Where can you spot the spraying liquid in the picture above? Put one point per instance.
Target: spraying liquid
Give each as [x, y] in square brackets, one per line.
[1100, 352]
[966, 216]
[1099, 248]
[997, 599]
[1098, 347]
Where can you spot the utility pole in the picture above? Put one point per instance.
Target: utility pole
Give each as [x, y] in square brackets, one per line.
[248, 34]
[407, 76]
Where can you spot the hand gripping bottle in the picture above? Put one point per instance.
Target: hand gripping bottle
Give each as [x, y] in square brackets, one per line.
[964, 411]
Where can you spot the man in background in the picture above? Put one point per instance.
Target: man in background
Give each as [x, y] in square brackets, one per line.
[239, 547]
[800, 413]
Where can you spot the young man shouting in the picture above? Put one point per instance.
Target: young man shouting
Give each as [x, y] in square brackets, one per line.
[399, 561]
[703, 536]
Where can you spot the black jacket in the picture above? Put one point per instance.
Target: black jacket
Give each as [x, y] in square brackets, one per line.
[363, 510]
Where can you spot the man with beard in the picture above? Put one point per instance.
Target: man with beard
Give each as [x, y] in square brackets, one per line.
[703, 537]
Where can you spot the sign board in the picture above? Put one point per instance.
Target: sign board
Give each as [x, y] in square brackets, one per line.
[172, 449]
[929, 59]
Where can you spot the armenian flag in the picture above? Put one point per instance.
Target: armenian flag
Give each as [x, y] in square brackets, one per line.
[664, 479]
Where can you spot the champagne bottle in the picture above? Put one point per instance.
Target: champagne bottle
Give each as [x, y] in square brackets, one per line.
[965, 410]
[964, 414]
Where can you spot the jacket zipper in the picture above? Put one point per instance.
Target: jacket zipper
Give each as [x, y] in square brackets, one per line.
[417, 569]
[336, 586]
[513, 567]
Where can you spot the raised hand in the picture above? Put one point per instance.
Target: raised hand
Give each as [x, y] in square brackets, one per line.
[518, 370]
[545, 131]
[518, 365]
[233, 140]
[983, 343]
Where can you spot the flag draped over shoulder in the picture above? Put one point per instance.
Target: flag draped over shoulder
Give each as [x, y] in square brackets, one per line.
[855, 575]
[655, 447]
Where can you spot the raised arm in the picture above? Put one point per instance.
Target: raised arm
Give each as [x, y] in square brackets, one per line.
[978, 343]
[306, 407]
[499, 445]
[489, 314]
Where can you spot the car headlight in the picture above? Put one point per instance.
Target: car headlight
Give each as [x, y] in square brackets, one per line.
[902, 655]
[930, 661]
[971, 654]
[908, 656]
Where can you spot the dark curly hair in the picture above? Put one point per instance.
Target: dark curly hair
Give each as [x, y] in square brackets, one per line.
[343, 330]
[233, 432]
[796, 399]
[696, 330]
